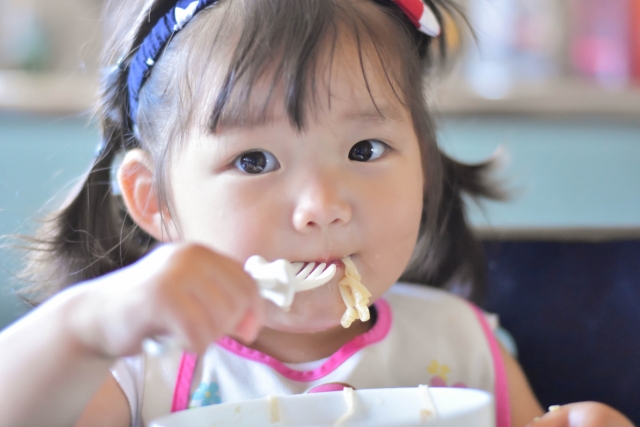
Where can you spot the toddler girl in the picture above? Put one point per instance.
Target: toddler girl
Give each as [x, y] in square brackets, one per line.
[293, 129]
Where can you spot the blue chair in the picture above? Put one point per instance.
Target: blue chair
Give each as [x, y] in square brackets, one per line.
[573, 309]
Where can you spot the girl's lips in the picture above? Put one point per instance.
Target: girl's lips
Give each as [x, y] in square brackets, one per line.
[337, 262]
[339, 269]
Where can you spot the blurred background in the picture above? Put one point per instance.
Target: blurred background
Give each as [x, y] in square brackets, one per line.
[553, 84]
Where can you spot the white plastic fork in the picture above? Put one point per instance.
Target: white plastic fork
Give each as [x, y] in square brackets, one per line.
[278, 281]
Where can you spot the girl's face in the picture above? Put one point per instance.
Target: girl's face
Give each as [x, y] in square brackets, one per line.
[350, 184]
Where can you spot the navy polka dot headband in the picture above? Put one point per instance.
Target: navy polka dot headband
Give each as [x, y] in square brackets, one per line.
[152, 46]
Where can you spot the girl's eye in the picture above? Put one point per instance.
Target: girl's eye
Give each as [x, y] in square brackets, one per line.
[369, 149]
[256, 162]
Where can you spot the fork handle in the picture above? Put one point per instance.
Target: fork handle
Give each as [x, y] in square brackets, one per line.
[278, 293]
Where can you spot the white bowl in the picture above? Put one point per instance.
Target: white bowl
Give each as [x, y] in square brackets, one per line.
[456, 407]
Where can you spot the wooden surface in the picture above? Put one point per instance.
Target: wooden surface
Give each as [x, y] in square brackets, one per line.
[62, 93]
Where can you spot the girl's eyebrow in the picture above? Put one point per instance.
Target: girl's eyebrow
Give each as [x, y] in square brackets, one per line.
[243, 120]
[370, 113]
[374, 113]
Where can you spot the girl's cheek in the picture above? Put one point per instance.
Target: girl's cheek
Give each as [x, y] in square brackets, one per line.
[228, 220]
[394, 222]
[239, 238]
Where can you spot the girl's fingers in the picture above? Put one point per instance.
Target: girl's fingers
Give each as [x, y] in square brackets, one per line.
[558, 417]
[248, 328]
[226, 295]
[237, 293]
[583, 414]
[193, 294]
[221, 298]
[189, 324]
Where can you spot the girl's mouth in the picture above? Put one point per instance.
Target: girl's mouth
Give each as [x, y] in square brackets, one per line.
[308, 271]
[316, 266]
[312, 269]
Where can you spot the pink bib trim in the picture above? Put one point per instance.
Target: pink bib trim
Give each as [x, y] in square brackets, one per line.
[377, 333]
[183, 382]
[501, 388]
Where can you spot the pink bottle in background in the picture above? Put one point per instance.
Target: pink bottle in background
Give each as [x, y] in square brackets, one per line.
[635, 40]
[600, 40]
[518, 42]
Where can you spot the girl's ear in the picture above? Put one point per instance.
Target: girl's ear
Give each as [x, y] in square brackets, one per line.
[136, 180]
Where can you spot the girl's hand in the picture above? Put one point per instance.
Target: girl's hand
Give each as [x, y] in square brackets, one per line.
[185, 291]
[583, 414]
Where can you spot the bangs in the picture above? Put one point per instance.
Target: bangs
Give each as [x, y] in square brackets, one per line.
[287, 49]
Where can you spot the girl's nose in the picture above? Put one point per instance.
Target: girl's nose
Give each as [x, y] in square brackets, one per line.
[321, 205]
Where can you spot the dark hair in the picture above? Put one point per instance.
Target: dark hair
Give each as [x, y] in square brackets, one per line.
[249, 40]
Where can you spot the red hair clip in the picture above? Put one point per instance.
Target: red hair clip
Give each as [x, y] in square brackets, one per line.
[421, 15]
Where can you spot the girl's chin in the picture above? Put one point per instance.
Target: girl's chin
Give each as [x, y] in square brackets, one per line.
[312, 311]
[304, 318]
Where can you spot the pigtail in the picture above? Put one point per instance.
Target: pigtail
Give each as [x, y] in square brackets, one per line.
[448, 254]
[91, 234]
